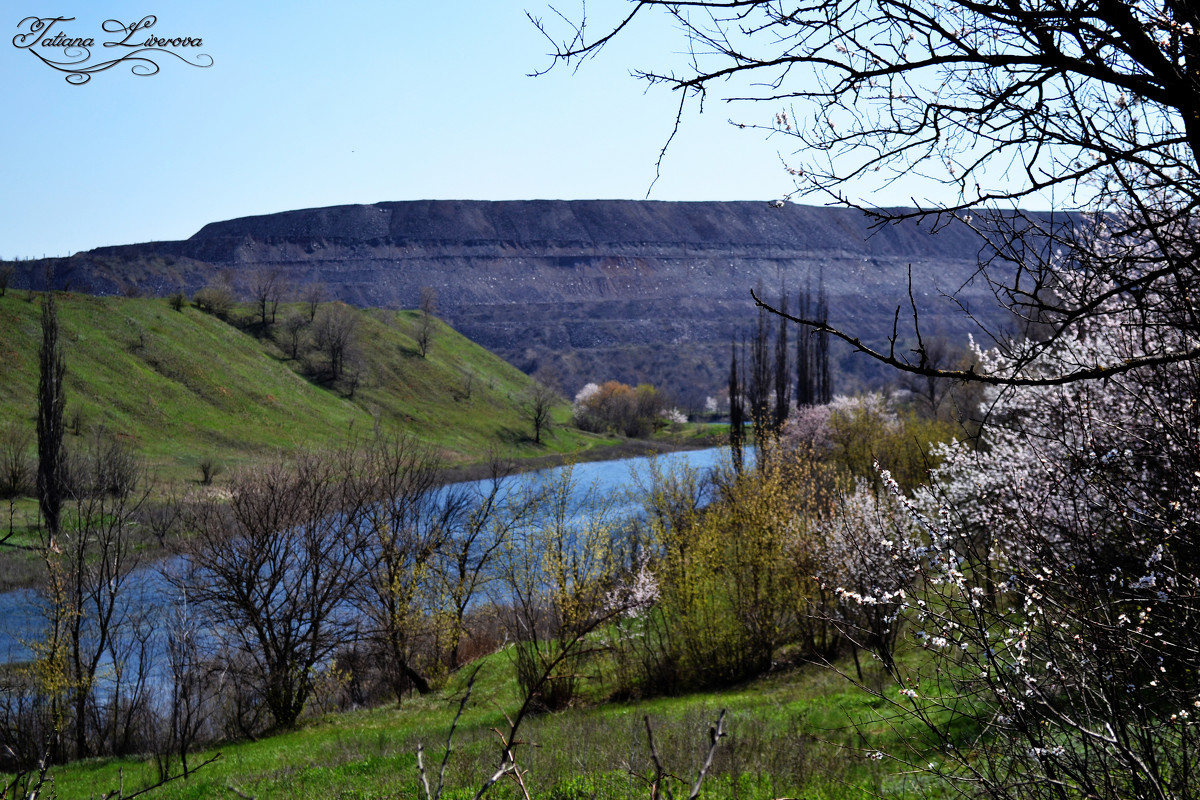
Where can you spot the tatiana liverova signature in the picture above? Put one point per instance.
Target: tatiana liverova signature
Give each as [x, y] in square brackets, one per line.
[48, 39]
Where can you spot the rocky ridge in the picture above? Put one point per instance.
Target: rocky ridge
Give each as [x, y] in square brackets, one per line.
[598, 289]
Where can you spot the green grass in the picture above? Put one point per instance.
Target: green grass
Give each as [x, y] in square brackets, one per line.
[179, 386]
[799, 733]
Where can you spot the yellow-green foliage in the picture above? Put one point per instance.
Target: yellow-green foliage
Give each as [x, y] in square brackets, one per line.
[865, 430]
[731, 593]
[557, 568]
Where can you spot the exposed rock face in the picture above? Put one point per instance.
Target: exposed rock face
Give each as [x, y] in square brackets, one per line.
[632, 290]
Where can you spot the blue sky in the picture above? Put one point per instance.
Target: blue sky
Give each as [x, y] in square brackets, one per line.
[325, 103]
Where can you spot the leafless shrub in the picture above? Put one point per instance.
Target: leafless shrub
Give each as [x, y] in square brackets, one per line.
[313, 295]
[294, 326]
[335, 333]
[216, 299]
[426, 321]
[16, 469]
[267, 287]
[16, 466]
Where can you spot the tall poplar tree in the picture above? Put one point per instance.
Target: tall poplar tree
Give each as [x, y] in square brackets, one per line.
[51, 402]
[813, 384]
[737, 433]
[783, 376]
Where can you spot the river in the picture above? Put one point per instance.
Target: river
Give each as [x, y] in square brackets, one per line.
[21, 610]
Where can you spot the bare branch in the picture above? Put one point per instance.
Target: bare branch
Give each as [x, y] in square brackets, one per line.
[715, 733]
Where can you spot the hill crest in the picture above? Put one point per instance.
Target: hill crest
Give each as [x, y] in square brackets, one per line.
[595, 289]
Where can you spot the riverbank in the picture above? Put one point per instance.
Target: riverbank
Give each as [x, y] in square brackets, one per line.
[24, 570]
[687, 438]
[21, 565]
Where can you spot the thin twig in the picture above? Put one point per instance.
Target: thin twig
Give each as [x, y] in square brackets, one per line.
[659, 772]
[715, 732]
[453, 726]
[421, 770]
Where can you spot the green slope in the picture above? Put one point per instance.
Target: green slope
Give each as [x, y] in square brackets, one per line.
[181, 385]
[802, 732]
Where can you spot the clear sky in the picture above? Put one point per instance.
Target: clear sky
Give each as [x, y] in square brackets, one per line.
[317, 103]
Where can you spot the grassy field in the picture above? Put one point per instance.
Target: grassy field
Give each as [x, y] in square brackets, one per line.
[802, 732]
[182, 385]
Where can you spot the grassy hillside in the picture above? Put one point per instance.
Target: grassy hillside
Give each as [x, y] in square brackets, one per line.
[182, 385]
[799, 733]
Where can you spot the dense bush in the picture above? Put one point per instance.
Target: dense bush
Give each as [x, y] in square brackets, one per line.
[216, 299]
[854, 432]
[728, 557]
[618, 407]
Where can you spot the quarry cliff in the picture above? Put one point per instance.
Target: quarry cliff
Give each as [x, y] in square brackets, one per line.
[592, 289]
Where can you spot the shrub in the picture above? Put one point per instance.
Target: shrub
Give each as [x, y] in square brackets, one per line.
[16, 464]
[215, 299]
[729, 595]
[210, 468]
[616, 406]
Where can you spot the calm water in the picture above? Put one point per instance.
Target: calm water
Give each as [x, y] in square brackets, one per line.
[21, 620]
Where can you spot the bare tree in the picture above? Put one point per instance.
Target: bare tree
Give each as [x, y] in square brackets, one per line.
[812, 352]
[537, 404]
[783, 372]
[90, 617]
[51, 402]
[272, 572]
[466, 382]
[425, 325]
[335, 332]
[191, 689]
[16, 470]
[313, 295]
[468, 559]
[428, 552]
[758, 387]
[405, 522]
[6, 273]
[737, 419]
[267, 286]
[293, 328]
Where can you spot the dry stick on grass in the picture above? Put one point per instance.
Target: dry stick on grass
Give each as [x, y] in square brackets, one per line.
[462, 705]
[33, 784]
[716, 732]
[120, 795]
[514, 771]
[508, 761]
[659, 772]
[421, 769]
